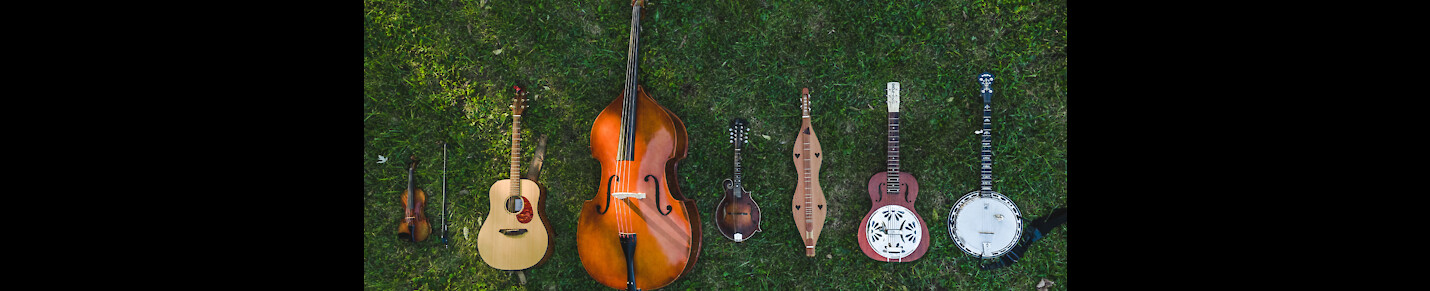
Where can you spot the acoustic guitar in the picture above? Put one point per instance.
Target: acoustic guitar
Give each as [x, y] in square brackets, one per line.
[516, 234]
[737, 216]
[808, 200]
[892, 231]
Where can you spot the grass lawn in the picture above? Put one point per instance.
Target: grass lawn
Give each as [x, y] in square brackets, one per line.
[436, 71]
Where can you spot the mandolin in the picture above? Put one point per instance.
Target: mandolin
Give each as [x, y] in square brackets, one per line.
[737, 216]
[638, 232]
[892, 231]
[985, 223]
[808, 201]
[414, 226]
[516, 234]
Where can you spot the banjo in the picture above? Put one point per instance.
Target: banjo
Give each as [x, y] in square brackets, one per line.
[985, 223]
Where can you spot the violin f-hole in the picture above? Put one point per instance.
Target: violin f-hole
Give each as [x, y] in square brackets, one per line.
[668, 209]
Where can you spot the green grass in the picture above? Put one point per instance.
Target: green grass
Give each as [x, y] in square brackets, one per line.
[431, 74]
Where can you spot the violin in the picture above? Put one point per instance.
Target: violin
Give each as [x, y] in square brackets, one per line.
[892, 231]
[638, 232]
[808, 199]
[737, 215]
[414, 226]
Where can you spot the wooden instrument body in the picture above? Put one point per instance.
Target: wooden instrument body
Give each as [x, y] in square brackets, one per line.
[414, 217]
[893, 231]
[665, 224]
[808, 205]
[737, 215]
[520, 251]
[414, 226]
[909, 189]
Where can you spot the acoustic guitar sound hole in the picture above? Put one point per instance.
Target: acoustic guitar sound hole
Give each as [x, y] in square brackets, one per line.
[521, 206]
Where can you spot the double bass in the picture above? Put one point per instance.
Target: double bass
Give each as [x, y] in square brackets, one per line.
[638, 232]
[892, 231]
[414, 226]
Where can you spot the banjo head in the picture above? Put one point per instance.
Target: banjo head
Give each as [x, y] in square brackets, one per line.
[893, 232]
[986, 227]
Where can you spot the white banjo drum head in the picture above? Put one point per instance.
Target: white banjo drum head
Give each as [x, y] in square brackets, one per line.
[986, 227]
[893, 232]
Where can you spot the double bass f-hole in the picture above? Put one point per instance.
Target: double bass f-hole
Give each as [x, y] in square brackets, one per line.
[668, 209]
[608, 194]
[647, 178]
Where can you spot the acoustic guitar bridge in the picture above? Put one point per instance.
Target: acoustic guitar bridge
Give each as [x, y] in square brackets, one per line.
[509, 231]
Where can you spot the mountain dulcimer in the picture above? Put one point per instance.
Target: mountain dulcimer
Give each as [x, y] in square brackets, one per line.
[809, 208]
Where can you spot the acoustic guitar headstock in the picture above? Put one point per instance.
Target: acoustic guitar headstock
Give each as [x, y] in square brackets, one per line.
[518, 103]
[739, 132]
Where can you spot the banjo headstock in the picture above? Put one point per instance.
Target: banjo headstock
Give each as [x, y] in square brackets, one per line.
[893, 96]
[987, 80]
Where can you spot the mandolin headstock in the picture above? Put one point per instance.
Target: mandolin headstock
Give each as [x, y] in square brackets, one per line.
[893, 93]
[518, 103]
[739, 132]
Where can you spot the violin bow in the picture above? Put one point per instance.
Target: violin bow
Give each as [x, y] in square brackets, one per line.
[444, 193]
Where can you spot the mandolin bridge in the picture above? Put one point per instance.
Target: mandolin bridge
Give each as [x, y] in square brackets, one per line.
[511, 231]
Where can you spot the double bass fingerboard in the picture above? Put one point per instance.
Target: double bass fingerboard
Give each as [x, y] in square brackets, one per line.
[626, 147]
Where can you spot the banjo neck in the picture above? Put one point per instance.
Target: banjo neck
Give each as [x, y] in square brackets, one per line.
[986, 173]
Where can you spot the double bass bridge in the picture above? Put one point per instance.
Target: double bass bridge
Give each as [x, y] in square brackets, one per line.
[624, 195]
